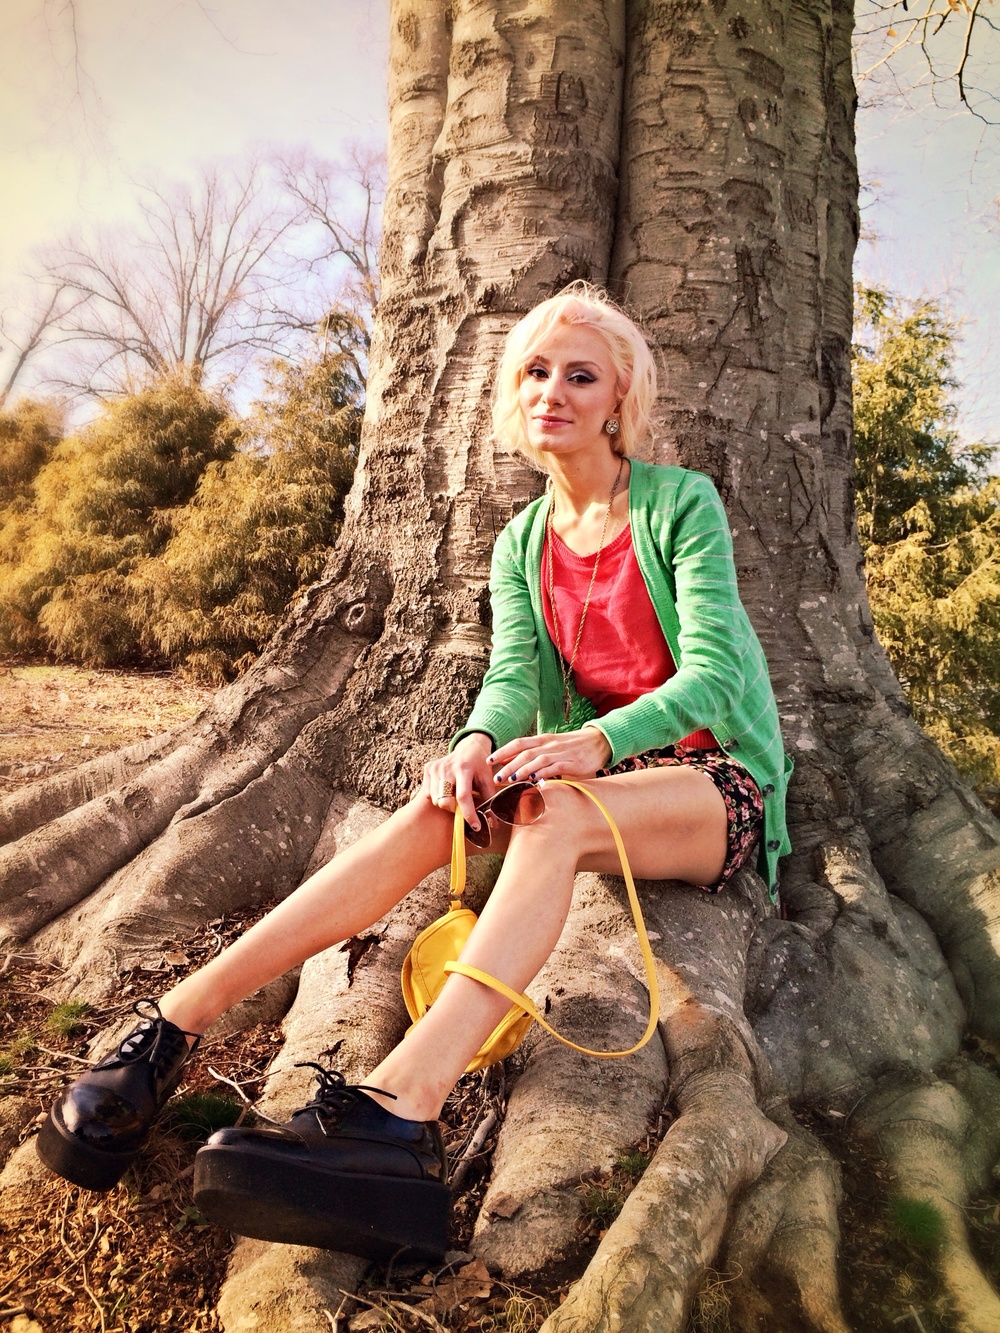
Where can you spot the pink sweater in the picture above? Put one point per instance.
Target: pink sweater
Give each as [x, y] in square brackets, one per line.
[623, 654]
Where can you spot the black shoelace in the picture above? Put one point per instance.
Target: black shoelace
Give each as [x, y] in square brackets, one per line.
[156, 1040]
[333, 1094]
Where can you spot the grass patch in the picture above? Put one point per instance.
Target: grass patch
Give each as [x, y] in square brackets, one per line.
[67, 1017]
[604, 1196]
[13, 1055]
[200, 1114]
[917, 1221]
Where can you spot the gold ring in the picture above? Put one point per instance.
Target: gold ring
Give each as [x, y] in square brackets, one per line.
[447, 789]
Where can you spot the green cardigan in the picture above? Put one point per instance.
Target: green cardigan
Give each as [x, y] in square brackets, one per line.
[684, 550]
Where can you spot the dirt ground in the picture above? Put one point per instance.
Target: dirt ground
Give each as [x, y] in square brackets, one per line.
[141, 1258]
[54, 717]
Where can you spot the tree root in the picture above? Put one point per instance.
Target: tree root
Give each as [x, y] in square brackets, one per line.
[648, 1266]
[247, 730]
[552, 1135]
[23, 811]
[955, 887]
[649, 1263]
[785, 1231]
[814, 1021]
[285, 1288]
[196, 871]
[922, 1126]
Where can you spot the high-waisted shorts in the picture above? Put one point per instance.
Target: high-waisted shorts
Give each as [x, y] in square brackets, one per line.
[744, 803]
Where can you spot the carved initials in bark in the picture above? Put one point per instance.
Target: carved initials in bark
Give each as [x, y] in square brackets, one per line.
[713, 183]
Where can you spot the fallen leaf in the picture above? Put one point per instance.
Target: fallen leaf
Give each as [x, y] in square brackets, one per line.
[504, 1205]
[367, 1319]
[471, 1282]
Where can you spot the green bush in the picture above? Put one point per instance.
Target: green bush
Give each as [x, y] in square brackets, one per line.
[99, 505]
[929, 521]
[29, 433]
[259, 529]
[149, 536]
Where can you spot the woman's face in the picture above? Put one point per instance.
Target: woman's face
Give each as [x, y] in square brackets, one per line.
[568, 391]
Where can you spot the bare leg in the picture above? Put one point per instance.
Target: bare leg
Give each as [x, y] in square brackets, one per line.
[351, 891]
[673, 822]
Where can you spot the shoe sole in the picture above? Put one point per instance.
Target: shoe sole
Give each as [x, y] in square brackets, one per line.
[93, 1168]
[97, 1169]
[376, 1217]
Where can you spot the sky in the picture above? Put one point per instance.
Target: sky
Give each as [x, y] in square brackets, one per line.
[154, 87]
[931, 223]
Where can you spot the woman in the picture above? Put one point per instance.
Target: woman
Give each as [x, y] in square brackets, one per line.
[618, 633]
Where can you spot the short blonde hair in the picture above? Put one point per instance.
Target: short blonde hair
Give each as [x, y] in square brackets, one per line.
[579, 303]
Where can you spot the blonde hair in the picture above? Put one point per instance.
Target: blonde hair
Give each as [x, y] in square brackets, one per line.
[579, 303]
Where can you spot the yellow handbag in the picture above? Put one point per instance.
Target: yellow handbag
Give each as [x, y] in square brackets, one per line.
[435, 952]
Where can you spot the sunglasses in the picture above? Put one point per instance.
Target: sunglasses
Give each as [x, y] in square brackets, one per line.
[520, 803]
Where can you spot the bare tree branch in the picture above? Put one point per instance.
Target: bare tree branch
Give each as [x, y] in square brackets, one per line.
[343, 244]
[192, 286]
[942, 32]
[25, 334]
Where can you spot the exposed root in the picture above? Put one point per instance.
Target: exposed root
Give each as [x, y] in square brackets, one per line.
[571, 1115]
[921, 1126]
[786, 1230]
[956, 886]
[285, 1288]
[818, 982]
[238, 854]
[648, 1265]
[30, 808]
[248, 728]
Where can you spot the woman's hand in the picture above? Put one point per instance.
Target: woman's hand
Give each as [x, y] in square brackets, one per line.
[557, 754]
[462, 777]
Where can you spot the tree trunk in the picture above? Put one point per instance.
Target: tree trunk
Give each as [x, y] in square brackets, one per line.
[699, 159]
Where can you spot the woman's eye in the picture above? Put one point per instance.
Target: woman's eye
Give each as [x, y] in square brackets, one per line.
[536, 372]
[581, 377]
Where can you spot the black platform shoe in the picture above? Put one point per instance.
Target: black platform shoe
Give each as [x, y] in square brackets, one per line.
[343, 1174]
[100, 1123]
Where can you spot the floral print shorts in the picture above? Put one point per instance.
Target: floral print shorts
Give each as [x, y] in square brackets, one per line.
[744, 803]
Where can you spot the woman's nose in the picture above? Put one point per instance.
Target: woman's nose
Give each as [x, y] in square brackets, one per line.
[552, 390]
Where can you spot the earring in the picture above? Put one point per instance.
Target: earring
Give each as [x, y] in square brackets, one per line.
[612, 426]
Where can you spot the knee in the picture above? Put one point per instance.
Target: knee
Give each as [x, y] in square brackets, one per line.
[568, 820]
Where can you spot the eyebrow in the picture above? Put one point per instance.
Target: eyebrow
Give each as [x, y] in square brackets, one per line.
[571, 365]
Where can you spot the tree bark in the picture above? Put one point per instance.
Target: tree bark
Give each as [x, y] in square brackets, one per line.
[700, 159]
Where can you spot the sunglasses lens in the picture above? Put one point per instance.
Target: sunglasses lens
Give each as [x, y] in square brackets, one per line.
[480, 837]
[520, 804]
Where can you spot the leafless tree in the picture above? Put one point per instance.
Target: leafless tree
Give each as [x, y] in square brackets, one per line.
[25, 331]
[194, 284]
[958, 43]
[341, 217]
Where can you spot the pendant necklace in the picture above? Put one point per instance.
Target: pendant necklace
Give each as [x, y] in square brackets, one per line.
[565, 669]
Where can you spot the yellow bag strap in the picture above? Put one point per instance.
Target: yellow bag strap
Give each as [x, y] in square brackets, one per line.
[457, 887]
[522, 1001]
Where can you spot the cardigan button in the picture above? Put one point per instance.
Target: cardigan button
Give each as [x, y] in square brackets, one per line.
[731, 744]
[773, 844]
[767, 789]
